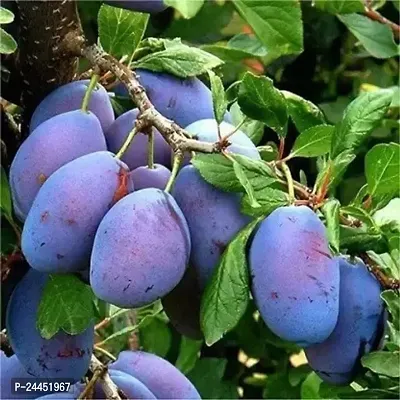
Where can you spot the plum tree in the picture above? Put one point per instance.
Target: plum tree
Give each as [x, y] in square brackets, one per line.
[52, 144]
[59, 231]
[162, 378]
[132, 387]
[182, 305]
[12, 368]
[68, 98]
[62, 356]
[145, 177]
[206, 130]
[295, 282]
[136, 155]
[213, 217]
[182, 100]
[146, 239]
[358, 330]
[148, 6]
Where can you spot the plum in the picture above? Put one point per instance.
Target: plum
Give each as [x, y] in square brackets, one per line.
[147, 6]
[145, 177]
[213, 217]
[52, 144]
[182, 100]
[63, 356]
[182, 305]
[295, 279]
[73, 393]
[59, 231]
[146, 239]
[132, 387]
[206, 130]
[162, 378]
[12, 368]
[136, 155]
[68, 98]
[359, 328]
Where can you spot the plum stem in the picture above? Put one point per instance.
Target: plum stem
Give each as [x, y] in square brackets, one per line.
[289, 180]
[241, 123]
[178, 157]
[127, 142]
[92, 84]
[150, 149]
[105, 352]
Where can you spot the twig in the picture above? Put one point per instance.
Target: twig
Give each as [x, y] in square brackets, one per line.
[101, 375]
[175, 136]
[105, 352]
[376, 16]
[385, 281]
[289, 181]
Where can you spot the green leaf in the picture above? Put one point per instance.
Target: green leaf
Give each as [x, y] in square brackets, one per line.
[260, 100]
[331, 211]
[66, 304]
[278, 387]
[361, 239]
[310, 387]
[6, 206]
[188, 8]
[360, 118]
[383, 363]
[182, 61]
[304, 113]
[227, 294]
[340, 6]
[218, 171]
[253, 129]
[220, 103]
[155, 337]
[6, 16]
[392, 301]
[120, 31]
[7, 43]
[249, 44]
[277, 24]
[268, 152]
[268, 199]
[143, 315]
[189, 351]
[313, 142]
[207, 376]
[389, 216]
[382, 165]
[377, 38]
[245, 182]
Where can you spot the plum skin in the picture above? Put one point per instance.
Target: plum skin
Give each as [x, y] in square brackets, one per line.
[68, 98]
[59, 231]
[295, 282]
[359, 328]
[163, 379]
[148, 6]
[136, 155]
[213, 217]
[145, 177]
[51, 145]
[62, 356]
[181, 100]
[146, 239]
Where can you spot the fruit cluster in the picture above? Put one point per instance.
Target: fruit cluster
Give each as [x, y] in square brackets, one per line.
[86, 210]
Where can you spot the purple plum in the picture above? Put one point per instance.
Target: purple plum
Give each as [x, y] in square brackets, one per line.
[359, 328]
[213, 217]
[59, 231]
[51, 145]
[146, 239]
[162, 378]
[68, 98]
[136, 155]
[295, 279]
[147, 6]
[63, 356]
[145, 177]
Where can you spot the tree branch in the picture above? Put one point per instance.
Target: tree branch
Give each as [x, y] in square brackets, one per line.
[376, 16]
[176, 137]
